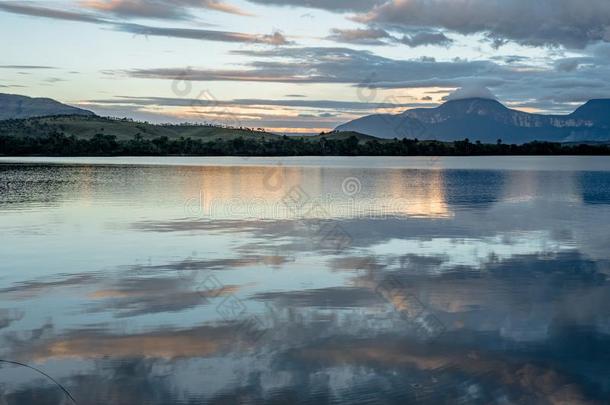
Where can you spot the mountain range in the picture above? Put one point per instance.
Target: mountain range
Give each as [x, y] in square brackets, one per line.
[14, 106]
[478, 119]
[487, 120]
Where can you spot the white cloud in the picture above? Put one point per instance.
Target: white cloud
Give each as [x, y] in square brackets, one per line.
[471, 91]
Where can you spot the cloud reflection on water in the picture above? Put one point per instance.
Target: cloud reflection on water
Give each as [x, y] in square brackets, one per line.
[514, 264]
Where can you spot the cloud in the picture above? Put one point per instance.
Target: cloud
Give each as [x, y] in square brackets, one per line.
[276, 38]
[557, 87]
[571, 64]
[200, 341]
[330, 104]
[329, 5]
[26, 67]
[35, 11]
[332, 297]
[159, 9]
[276, 115]
[9, 316]
[527, 381]
[260, 75]
[378, 36]
[546, 22]
[187, 102]
[600, 51]
[141, 296]
[27, 289]
[326, 65]
[53, 80]
[471, 91]
[426, 38]
[369, 36]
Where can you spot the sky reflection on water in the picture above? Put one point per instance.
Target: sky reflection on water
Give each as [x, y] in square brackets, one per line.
[201, 284]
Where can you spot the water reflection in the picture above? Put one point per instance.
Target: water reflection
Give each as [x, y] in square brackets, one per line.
[167, 285]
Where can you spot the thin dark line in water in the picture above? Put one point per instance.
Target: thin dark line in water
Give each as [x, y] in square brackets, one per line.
[44, 374]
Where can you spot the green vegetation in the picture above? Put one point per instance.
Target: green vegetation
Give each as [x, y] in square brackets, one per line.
[96, 136]
[85, 127]
[57, 144]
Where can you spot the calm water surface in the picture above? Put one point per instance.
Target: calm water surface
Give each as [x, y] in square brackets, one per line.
[325, 280]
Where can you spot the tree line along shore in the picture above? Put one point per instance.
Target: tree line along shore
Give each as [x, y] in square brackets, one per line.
[337, 144]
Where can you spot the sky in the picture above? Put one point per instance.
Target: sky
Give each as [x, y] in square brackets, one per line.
[302, 66]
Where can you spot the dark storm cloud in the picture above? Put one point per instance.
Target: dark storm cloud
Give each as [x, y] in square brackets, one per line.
[570, 23]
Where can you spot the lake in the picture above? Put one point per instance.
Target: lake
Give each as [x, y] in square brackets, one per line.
[340, 280]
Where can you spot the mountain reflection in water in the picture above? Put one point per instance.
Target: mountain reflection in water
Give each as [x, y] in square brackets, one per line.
[287, 283]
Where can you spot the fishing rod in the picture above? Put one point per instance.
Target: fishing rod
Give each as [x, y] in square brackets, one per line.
[16, 363]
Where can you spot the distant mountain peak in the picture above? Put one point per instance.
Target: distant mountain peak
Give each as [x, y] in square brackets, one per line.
[594, 104]
[14, 106]
[605, 101]
[474, 102]
[458, 108]
[596, 110]
[481, 100]
[486, 119]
